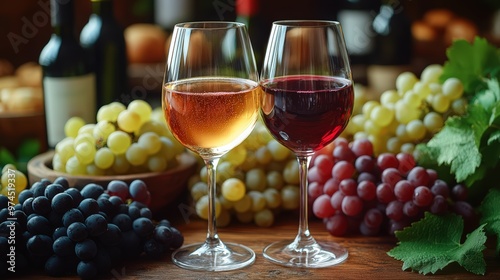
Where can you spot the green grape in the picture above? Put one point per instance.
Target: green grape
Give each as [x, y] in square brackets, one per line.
[106, 113]
[453, 88]
[101, 132]
[204, 174]
[256, 179]
[225, 204]
[57, 163]
[153, 126]
[278, 151]
[290, 197]
[435, 88]
[136, 154]
[368, 107]
[360, 135]
[431, 73]
[84, 138]
[85, 152]
[408, 148]
[402, 134]
[14, 177]
[422, 89]
[359, 122]
[243, 205]
[237, 155]
[74, 167]
[389, 98]
[118, 142]
[275, 180]
[225, 170]
[198, 190]
[404, 113]
[412, 99]
[382, 116]
[372, 128]
[141, 108]
[440, 103]
[104, 158]
[393, 145]
[233, 189]
[250, 163]
[378, 142]
[273, 198]
[92, 169]
[416, 130]
[128, 121]
[65, 149]
[202, 207]
[157, 163]
[150, 142]
[264, 218]
[72, 126]
[258, 200]
[433, 122]
[459, 106]
[263, 155]
[167, 148]
[86, 129]
[405, 81]
[121, 164]
[291, 172]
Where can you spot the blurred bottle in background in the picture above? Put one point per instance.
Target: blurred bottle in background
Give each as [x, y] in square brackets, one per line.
[167, 13]
[68, 79]
[356, 17]
[392, 53]
[248, 12]
[102, 37]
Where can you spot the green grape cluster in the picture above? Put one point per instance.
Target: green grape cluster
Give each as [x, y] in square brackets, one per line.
[12, 182]
[256, 181]
[409, 114]
[125, 140]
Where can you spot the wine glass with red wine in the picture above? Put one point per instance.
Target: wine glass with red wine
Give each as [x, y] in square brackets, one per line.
[307, 102]
[211, 100]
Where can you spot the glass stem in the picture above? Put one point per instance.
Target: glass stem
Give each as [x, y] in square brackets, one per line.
[303, 235]
[212, 236]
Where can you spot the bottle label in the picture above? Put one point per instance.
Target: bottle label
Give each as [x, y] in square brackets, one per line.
[359, 38]
[66, 97]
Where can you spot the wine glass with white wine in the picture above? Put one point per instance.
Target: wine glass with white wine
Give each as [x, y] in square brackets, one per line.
[211, 102]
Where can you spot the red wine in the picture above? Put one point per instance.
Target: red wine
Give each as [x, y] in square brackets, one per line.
[306, 113]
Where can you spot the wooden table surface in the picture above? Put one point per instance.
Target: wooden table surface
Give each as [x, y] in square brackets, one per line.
[367, 258]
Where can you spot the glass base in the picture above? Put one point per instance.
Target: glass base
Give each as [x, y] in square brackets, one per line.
[319, 254]
[220, 257]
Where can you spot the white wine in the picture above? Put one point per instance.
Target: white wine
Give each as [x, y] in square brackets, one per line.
[68, 81]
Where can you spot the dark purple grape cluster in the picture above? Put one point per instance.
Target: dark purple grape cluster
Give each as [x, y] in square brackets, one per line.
[356, 192]
[86, 232]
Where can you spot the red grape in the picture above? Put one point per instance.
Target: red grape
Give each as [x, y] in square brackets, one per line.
[404, 190]
[362, 147]
[343, 153]
[336, 200]
[406, 162]
[385, 194]
[322, 207]
[422, 196]
[418, 176]
[391, 176]
[364, 163]
[352, 205]
[394, 210]
[343, 170]
[337, 225]
[387, 160]
[367, 190]
[331, 186]
[348, 186]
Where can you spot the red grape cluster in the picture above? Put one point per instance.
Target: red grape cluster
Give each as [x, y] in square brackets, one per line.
[355, 192]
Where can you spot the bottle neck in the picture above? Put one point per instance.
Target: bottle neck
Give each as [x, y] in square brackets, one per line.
[62, 15]
[247, 8]
[103, 8]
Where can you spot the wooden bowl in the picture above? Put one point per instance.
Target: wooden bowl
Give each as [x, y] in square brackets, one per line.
[165, 187]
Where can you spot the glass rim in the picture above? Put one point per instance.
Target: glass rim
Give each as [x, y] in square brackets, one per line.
[306, 23]
[205, 25]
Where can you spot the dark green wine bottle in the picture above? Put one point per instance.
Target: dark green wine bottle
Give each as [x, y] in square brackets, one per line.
[248, 12]
[68, 79]
[104, 41]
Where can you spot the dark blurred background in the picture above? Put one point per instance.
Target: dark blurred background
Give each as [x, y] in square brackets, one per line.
[30, 17]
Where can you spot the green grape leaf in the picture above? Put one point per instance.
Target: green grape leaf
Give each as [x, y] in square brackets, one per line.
[490, 214]
[471, 63]
[6, 157]
[433, 242]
